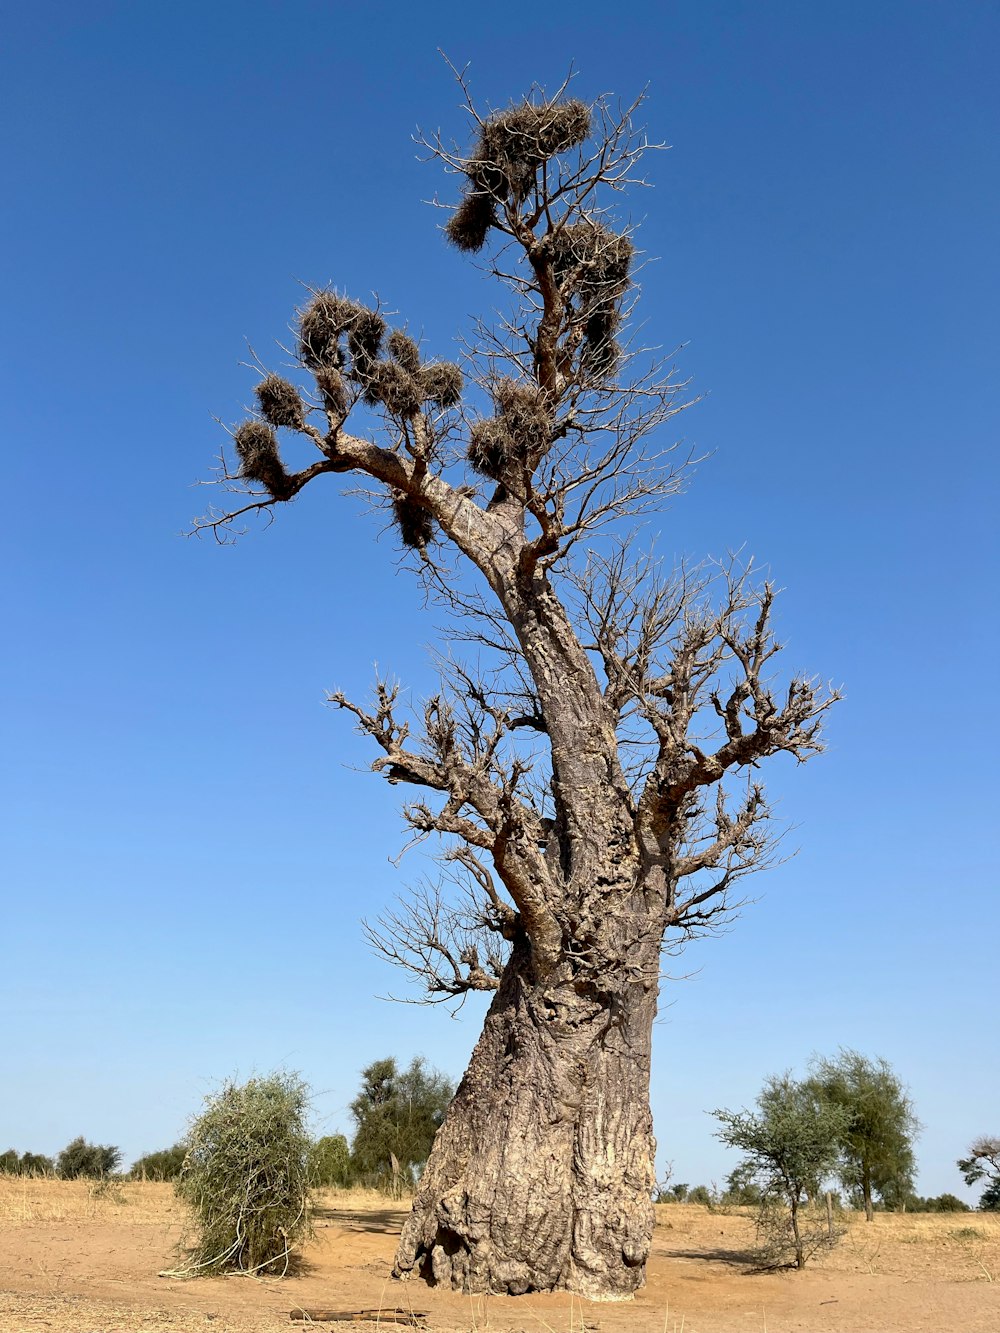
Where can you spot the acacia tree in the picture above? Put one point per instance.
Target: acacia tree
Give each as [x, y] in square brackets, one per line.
[790, 1144]
[397, 1114]
[592, 767]
[876, 1150]
[983, 1163]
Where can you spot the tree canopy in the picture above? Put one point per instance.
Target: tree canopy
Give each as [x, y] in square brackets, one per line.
[397, 1114]
[80, 1158]
[876, 1150]
[983, 1163]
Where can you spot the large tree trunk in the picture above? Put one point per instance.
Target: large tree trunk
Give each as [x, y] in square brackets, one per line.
[541, 1176]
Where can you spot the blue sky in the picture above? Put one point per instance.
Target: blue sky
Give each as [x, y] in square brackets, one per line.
[189, 838]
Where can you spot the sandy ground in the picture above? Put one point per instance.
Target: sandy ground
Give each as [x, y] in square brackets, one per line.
[73, 1261]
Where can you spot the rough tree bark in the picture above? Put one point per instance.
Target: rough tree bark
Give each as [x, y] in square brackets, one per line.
[541, 1176]
[596, 785]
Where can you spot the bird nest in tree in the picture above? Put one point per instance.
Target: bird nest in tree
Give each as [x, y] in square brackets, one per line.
[512, 145]
[280, 402]
[257, 448]
[416, 526]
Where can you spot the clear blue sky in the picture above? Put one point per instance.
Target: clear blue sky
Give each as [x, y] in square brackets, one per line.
[189, 836]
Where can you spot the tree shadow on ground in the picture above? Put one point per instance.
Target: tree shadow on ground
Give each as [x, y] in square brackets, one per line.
[744, 1259]
[383, 1221]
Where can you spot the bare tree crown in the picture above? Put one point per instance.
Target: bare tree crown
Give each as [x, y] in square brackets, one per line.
[606, 706]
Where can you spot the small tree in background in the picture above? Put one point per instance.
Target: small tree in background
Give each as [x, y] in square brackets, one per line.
[876, 1151]
[791, 1145]
[163, 1165]
[36, 1164]
[246, 1177]
[93, 1160]
[330, 1161]
[983, 1163]
[742, 1190]
[397, 1114]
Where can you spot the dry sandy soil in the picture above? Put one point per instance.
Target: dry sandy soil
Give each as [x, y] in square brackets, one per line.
[73, 1261]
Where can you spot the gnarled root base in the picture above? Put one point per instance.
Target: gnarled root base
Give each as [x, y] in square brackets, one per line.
[456, 1249]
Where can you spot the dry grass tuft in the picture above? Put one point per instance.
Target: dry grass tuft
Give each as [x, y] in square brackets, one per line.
[512, 145]
[469, 225]
[395, 388]
[321, 323]
[491, 450]
[25, 1200]
[500, 446]
[364, 340]
[525, 414]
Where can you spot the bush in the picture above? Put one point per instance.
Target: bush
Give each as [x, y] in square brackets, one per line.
[246, 1177]
[330, 1161]
[699, 1194]
[163, 1165]
[92, 1160]
[742, 1190]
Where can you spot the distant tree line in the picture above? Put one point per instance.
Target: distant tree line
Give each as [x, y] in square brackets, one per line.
[26, 1164]
[845, 1131]
[79, 1158]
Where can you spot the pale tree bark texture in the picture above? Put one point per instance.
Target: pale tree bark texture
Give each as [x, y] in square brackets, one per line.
[592, 768]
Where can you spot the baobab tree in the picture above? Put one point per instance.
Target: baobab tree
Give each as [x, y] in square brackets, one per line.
[591, 765]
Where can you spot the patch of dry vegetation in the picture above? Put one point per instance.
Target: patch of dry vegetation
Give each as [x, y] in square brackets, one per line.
[25, 1200]
[946, 1247]
[76, 1257]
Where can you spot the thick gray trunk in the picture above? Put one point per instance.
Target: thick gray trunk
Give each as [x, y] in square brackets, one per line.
[541, 1177]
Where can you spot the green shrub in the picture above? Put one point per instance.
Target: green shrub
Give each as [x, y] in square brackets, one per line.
[10, 1163]
[92, 1160]
[246, 1177]
[163, 1165]
[330, 1161]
